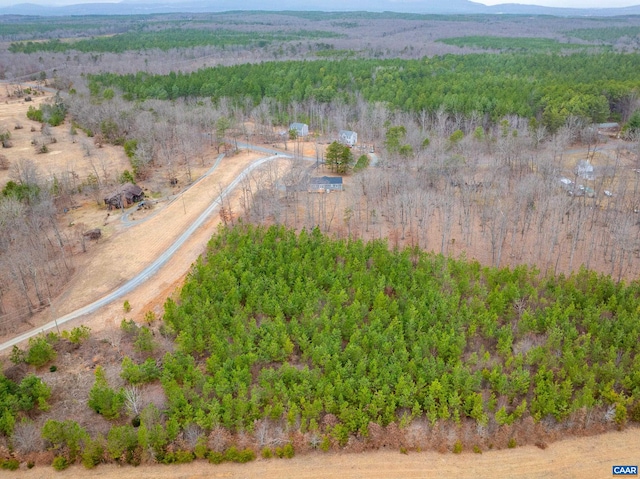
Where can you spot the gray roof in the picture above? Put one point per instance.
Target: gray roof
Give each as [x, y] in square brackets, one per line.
[326, 180]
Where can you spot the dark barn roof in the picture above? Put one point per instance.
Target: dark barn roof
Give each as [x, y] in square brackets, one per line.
[128, 192]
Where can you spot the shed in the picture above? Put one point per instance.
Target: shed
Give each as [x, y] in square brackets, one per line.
[302, 129]
[611, 130]
[346, 137]
[325, 184]
[124, 196]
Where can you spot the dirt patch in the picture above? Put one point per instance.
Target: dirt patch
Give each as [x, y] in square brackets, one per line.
[69, 152]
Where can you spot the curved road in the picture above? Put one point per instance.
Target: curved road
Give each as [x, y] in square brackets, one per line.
[150, 270]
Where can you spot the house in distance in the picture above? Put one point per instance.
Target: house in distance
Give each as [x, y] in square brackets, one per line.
[301, 129]
[325, 184]
[349, 138]
[585, 170]
[124, 196]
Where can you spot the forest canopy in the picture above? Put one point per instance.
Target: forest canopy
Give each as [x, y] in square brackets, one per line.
[166, 40]
[514, 44]
[550, 87]
[274, 324]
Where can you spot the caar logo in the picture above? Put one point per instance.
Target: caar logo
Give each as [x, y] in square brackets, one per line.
[625, 470]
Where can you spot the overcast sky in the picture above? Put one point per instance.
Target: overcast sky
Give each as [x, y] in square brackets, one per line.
[569, 3]
[274, 6]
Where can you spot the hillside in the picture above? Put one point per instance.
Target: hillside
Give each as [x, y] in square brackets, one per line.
[468, 297]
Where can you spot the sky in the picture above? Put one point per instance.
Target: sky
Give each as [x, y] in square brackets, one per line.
[568, 3]
[546, 3]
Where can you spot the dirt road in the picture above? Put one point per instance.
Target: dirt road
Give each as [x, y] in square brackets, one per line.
[163, 250]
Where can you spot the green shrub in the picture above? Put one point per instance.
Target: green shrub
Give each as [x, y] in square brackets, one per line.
[40, 352]
[341, 434]
[178, 457]
[134, 373]
[34, 114]
[266, 453]
[361, 164]
[17, 355]
[325, 445]
[27, 192]
[33, 392]
[130, 147]
[621, 414]
[144, 343]
[215, 457]
[288, 451]
[457, 447]
[122, 442]
[477, 449]
[52, 114]
[247, 455]
[67, 436]
[201, 450]
[10, 464]
[103, 399]
[232, 454]
[77, 335]
[129, 326]
[92, 454]
[126, 306]
[149, 317]
[127, 177]
[634, 412]
[60, 463]
[512, 443]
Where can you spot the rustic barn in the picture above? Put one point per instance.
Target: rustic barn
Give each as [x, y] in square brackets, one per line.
[124, 196]
[93, 234]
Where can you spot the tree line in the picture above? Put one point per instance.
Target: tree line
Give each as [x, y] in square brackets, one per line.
[550, 88]
[515, 44]
[166, 39]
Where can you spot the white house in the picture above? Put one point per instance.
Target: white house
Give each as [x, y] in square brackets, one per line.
[585, 170]
[349, 138]
[302, 129]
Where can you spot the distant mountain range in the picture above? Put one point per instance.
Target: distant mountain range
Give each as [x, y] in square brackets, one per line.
[132, 7]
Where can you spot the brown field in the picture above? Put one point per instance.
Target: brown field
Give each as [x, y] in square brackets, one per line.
[66, 155]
